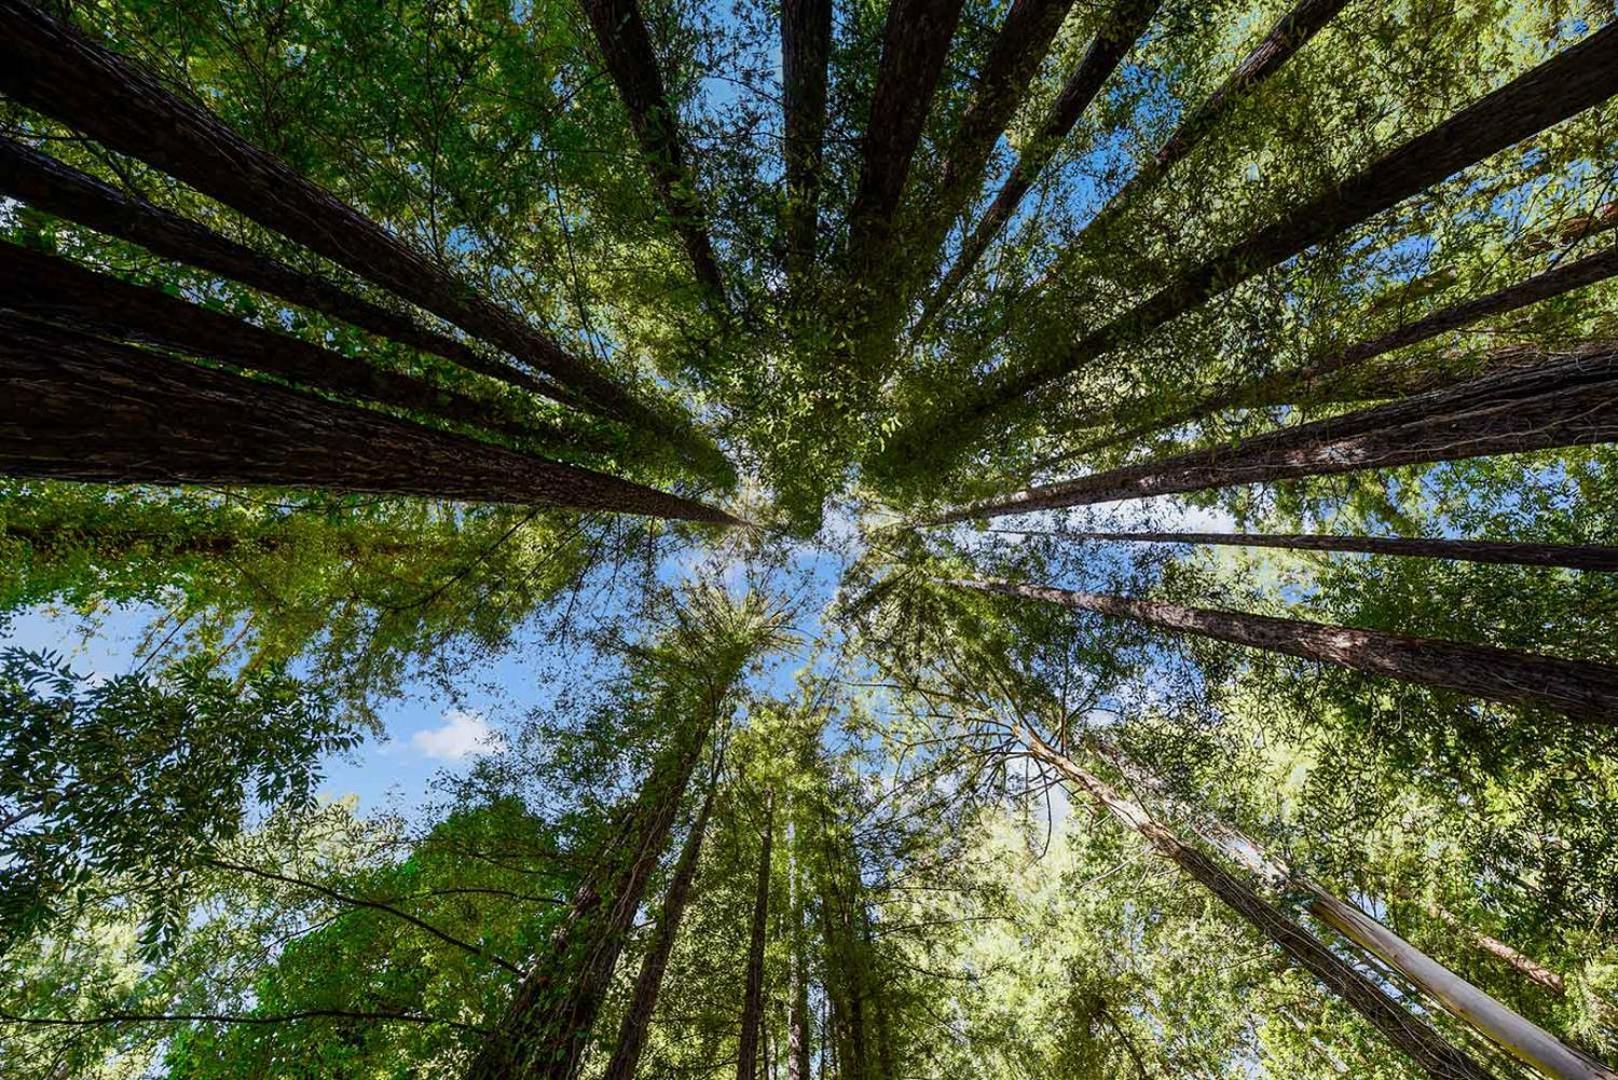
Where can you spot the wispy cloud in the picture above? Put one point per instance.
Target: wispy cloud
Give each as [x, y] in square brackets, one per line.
[460, 736]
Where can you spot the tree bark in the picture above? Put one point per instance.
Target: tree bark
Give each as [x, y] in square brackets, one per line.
[805, 56]
[56, 290]
[77, 407]
[798, 1014]
[915, 41]
[627, 49]
[1582, 689]
[1572, 556]
[47, 184]
[747, 1059]
[1578, 78]
[51, 67]
[547, 1026]
[1126, 23]
[1571, 401]
[649, 983]
[1424, 1046]
[1277, 388]
[1521, 1038]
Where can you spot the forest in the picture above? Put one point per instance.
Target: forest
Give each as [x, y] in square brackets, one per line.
[808, 539]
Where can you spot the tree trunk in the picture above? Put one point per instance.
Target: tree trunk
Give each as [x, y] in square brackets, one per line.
[1518, 1036]
[59, 291]
[1526, 966]
[1572, 556]
[1571, 401]
[1580, 688]
[547, 1026]
[627, 48]
[805, 54]
[798, 1060]
[1410, 1034]
[747, 1059]
[81, 408]
[1126, 23]
[1281, 386]
[637, 1020]
[46, 184]
[51, 67]
[1578, 78]
[915, 41]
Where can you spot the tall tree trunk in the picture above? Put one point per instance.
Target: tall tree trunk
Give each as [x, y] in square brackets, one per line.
[1578, 78]
[1013, 60]
[53, 289]
[805, 56]
[1116, 36]
[1580, 688]
[547, 1026]
[47, 184]
[1571, 401]
[1572, 556]
[1429, 1050]
[637, 1020]
[1521, 1038]
[747, 1059]
[1286, 386]
[77, 407]
[798, 1015]
[51, 67]
[627, 48]
[915, 41]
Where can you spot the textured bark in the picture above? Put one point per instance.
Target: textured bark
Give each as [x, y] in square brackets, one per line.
[1425, 1046]
[747, 1052]
[1581, 76]
[805, 55]
[637, 1020]
[915, 42]
[1572, 556]
[1572, 401]
[47, 184]
[78, 407]
[1286, 385]
[798, 1014]
[1524, 965]
[56, 290]
[51, 67]
[547, 1026]
[627, 49]
[1117, 35]
[1582, 689]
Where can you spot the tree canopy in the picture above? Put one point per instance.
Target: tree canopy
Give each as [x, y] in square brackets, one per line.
[1021, 538]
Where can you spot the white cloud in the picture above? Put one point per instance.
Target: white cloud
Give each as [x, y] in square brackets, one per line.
[462, 735]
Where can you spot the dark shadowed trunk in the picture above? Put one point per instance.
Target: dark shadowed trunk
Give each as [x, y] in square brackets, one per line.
[637, 1020]
[77, 407]
[46, 184]
[56, 290]
[1426, 1047]
[747, 1053]
[51, 67]
[627, 48]
[1580, 688]
[805, 54]
[1571, 401]
[914, 43]
[798, 1014]
[547, 1026]
[1286, 386]
[1579, 77]
[1572, 556]
[1116, 36]
[1518, 1036]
